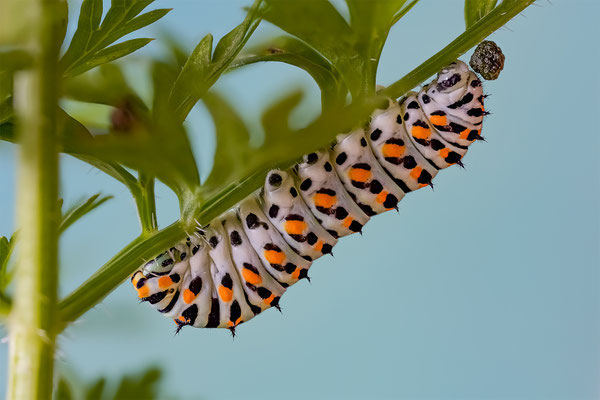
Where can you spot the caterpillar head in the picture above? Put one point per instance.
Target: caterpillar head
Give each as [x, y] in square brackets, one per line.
[452, 77]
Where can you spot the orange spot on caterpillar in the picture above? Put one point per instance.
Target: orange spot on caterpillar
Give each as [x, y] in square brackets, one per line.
[188, 296]
[324, 200]
[319, 245]
[444, 152]
[382, 196]
[438, 119]
[392, 150]
[419, 132]
[294, 227]
[464, 134]
[251, 277]
[359, 174]
[225, 294]
[164, 282]
[274, 256]
[269, 299]
[416, 172]
[347, 222]
[144, 291]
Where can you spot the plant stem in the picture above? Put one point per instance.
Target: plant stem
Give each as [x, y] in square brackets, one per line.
[32, 321]
[146, 204]
[471, 37]
[116, 270]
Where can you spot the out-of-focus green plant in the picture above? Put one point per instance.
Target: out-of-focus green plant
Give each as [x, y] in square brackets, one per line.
[148, 140]
[141, 385]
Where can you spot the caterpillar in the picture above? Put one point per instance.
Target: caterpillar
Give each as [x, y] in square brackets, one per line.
[241, 263]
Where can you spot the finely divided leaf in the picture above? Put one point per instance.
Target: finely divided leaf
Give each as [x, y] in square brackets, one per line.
[88, 48]
[201, 70]
[110, 54]
[155, 144]
[352, 48]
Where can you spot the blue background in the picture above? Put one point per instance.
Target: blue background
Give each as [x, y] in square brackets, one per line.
[486, 288]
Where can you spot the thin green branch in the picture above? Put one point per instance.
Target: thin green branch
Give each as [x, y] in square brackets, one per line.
[146, 203]
[116, 270]
[32, 322]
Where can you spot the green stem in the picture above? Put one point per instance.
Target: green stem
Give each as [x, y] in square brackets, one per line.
[116, 270]
[463, 43]
[32, 321]
[146, 204]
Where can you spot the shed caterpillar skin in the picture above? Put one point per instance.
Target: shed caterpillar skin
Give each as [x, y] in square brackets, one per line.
[243, 261]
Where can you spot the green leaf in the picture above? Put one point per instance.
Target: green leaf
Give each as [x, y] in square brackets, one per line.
[233, 150]
[63, 391]
[201, 70]
[6, 249]
[72, 132]
[156, 144]
[88, 48]
[110, 54]
[142, 21]
[292, 51]
[95, 390]
[353, 49]
[103, 85]
[143, 386]
[477, 9]
[89, 21]
[78, 210]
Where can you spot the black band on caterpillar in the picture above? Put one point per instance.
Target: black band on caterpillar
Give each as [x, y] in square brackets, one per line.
[242, 263]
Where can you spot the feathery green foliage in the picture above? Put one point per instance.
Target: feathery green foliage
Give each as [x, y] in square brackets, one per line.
[90, 45]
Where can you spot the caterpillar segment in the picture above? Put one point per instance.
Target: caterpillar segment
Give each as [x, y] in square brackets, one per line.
[290, 215]
[234, 309]
[326, 196]
[279, 260]
[426, 139]
[195, 301]
[261, 290]
[243, 261]
[396, 153]
[363, 177]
